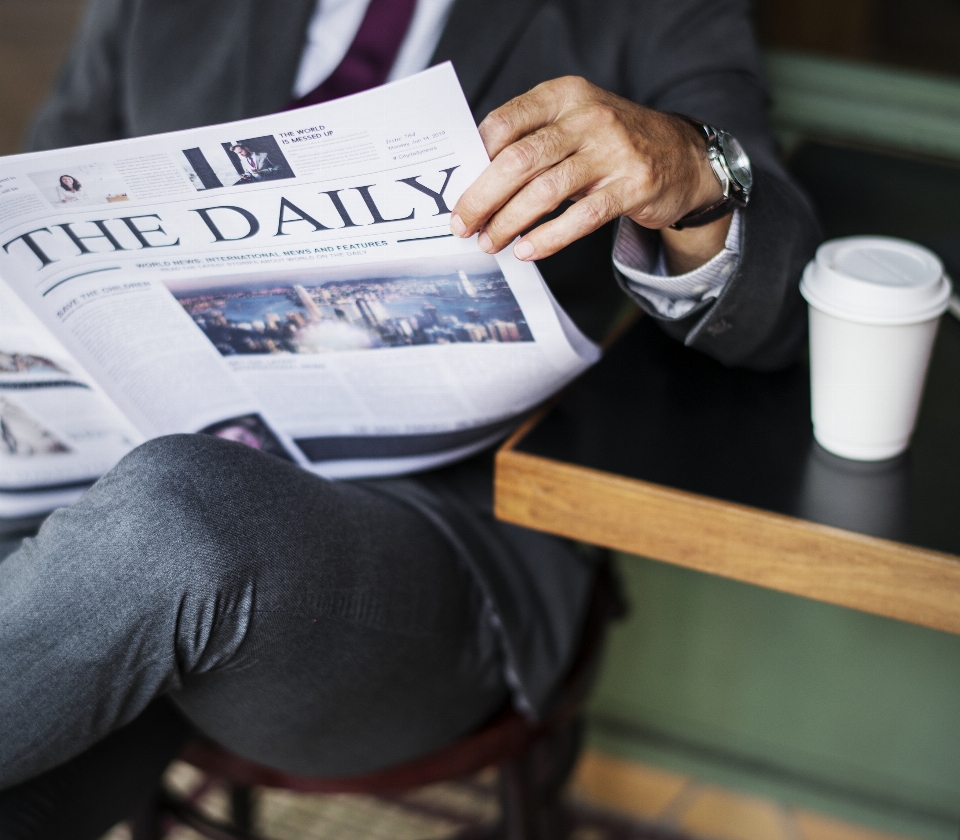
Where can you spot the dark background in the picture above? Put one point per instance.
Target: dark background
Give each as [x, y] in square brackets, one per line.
[921, 35]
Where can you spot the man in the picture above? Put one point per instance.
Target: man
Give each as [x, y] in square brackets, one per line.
[336, 627]
[256, 165]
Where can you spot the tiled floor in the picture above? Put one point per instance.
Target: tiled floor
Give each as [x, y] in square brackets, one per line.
[671, 800]
[614, 800]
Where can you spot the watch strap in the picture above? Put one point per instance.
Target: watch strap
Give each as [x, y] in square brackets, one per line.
[723, 206]
[710, 134]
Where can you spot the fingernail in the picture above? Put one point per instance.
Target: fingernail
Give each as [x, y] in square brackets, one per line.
[485, 242]
[457, 227]
[523, 250]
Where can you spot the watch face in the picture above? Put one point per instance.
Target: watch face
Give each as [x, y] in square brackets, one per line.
[737, 161]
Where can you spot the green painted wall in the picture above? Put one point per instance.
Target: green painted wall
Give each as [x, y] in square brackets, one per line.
[817, 704]
[854, 101]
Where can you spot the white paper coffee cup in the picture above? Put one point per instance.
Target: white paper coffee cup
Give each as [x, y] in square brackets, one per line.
[875, 303]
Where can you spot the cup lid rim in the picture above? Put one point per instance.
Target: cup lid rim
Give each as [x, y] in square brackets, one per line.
[844, 295]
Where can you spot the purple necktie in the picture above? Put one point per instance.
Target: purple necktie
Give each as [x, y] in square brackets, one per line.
[371, 55]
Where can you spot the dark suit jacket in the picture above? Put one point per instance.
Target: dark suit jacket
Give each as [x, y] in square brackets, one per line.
[148, 66]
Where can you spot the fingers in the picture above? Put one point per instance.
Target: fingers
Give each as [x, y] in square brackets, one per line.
[569, 139]
[571, 177]
[523, 115]
[580, 219]
[523, 138]
[516, 166]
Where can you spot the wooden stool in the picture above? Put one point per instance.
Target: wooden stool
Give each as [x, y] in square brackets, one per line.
[534, 760]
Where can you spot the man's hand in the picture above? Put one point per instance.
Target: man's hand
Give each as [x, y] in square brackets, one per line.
[569, 139]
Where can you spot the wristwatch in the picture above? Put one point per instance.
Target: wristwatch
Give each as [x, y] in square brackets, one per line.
[731, 166]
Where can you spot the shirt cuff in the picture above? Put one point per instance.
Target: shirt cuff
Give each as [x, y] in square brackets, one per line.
[639, 257]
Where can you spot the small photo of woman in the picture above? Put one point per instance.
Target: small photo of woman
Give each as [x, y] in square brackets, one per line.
[82, 184]
[69, 189]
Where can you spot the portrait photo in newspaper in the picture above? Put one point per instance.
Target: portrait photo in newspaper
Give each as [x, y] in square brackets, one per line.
[236, 162]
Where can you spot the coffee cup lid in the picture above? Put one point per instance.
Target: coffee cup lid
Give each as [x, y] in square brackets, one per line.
[876, 280]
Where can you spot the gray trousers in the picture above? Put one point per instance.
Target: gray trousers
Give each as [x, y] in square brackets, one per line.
[319, 627]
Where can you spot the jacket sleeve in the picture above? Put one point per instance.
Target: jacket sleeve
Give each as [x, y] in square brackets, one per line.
[84, 106]
[699, 57]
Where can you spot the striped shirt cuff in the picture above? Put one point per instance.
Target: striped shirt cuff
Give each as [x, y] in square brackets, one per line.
[640, 259]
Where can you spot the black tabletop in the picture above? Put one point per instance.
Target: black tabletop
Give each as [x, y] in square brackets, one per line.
[655, 410]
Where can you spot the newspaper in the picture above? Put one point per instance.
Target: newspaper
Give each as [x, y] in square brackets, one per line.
[59, 431]
[288, 281]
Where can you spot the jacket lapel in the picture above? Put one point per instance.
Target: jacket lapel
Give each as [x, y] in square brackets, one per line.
[478, 37]
[277, 34]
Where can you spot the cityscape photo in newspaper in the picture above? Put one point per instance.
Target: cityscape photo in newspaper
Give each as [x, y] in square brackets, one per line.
[398, 304]
[233, 280]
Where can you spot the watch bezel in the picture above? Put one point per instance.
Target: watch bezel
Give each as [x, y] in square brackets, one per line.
[724, 139]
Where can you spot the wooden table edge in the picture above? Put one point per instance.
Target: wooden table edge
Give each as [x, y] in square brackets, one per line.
[730, 540]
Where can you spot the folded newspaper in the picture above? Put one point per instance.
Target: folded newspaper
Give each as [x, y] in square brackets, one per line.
[289, 282]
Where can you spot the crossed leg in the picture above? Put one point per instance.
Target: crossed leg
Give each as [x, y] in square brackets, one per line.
[319, 627]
